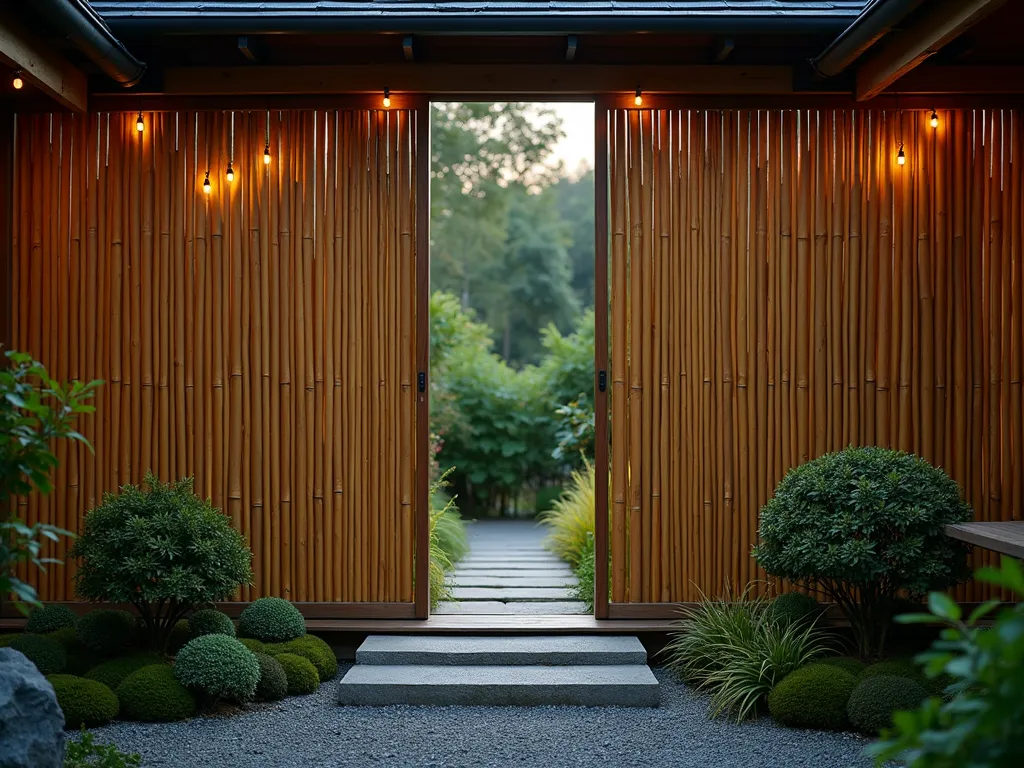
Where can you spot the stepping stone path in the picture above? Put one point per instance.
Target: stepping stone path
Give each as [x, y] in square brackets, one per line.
[508, 571]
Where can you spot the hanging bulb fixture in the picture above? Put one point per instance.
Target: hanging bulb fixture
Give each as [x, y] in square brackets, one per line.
[18, 82]
[140, 124]
[231, 172]
[638, 99]
[934, 121]
[387, 98]
[266, 155]
[901, 157]
[206, 184]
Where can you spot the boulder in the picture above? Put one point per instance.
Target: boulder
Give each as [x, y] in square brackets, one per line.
[31, 723]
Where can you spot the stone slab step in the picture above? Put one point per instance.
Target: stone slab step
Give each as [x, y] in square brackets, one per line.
[502, 557]
[506, 595]
[494, 565]
[532, 573]
[510, 581]
[492, 608]
[551, 651]
[632, 685]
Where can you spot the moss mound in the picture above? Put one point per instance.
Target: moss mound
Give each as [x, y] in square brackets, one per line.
[113, 672]
[46, 653]
[892, 668]
[273, 684]
[814, 696]
[107, 632]
[218, 667]
[84, 702]
[67, 638]
[300, 672]
[271, 620]
[153, 695]
[845, 663]
[314, 649]
[178, 637]
[875, 699]
[254, 645]
[210, 622]
[50, 618]
[792, 607]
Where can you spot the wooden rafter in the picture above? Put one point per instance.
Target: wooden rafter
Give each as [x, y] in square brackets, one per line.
[41, 65]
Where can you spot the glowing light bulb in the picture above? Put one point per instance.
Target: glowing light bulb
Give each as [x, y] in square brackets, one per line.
[638, 99]
[231, 173]
[206, 184]
[18, 83]
[387, 98]
[934, 121]
[901, 157]
[266, 155]
[140, 124]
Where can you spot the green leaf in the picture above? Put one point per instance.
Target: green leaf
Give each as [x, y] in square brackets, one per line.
[943, 605]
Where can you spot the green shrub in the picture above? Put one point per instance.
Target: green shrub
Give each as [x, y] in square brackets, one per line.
[254, 645]
[736, 651]
[905, 668]
[179, 636]
[50, 618]
[67, 637]
[271, 620]
[273, 684]
[546, 498]
[107, 632]
[440, 563]
[874, 700]
[154, 695]
[85, 703]
[571, 519]
[814, 696]
[865, 525]
[10, 637]
[163, 550]
[845, 663]
[793, 607]
[311, 647]
[210, 622]
[586, 573]
[217, 667]
[46, 653]
[301, 674]
[113, 672]
[84, 752]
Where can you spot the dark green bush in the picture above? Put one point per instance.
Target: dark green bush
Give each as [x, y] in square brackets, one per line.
[905, 668]
[84, 702]
[311, 647]
[46, 653]
[217, 667]
[67, 637]
[845, 663]
[163, 550]
[107, 632]
[301, 674]
[6, 640]
[84, 752]
[546, 498]
[210, 622]
[865, 525]
[179, 636]
[271, 620]
[793, 607]
[814, 696]
[50, 618]
[154, 695]
[875, 699]
[254, 645]
[273, 684]
[113, 672]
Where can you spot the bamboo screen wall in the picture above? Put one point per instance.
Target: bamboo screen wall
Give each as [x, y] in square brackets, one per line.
[260, 338]
[782, 288]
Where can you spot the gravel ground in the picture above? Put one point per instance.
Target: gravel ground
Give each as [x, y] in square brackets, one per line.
[314, 731]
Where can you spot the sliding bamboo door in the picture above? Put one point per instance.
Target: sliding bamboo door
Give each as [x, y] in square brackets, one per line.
[781, 288]
[259, 337]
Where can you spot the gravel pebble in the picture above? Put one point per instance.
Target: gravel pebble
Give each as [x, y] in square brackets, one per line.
[314, 731]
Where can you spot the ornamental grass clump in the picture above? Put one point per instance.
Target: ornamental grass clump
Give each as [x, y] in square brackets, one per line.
[50, 618]
[271, 620]
[163, 550]
[85, 703]
[217, 667]
[571, 518]
[865, 526]
[736, 650]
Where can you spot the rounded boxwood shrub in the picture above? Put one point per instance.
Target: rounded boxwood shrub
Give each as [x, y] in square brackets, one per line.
[792, 607]
[218, 667]
[6, 640]
[67, 637]
[271, 620]
[814, 696]
[108, 632]
[865, 526]
[253, 644]
[300, 672]
[875, 698]
[273, 684]
[46, 653]
[84, 702]
[313, 648]
[845, 663]
[111, 673]
[154, 695]
[50, 618]
[178, 637]
[893, 668]
[210, 622]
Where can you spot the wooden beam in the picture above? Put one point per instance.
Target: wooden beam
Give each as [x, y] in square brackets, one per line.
[251, 48]
[570, 48]
[408, 49]
[41, 66]
[963, 80]
[486, 78]
[722, 50]
[906, 49]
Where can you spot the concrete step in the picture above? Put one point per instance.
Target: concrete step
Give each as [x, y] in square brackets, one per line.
[493, 608]
[555, 651]
[495, 565]
[507, 595]
[510, 581]
[631, 685]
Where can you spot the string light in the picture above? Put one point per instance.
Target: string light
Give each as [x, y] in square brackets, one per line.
[140, 124]
[638, 99]
[901, 157]
[231, 172]
[934, 121]
[266, 154]
[18, 83]
[387, 98]
[206, 184]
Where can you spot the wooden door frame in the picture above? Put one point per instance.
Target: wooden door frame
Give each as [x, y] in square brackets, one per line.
[601, 373]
